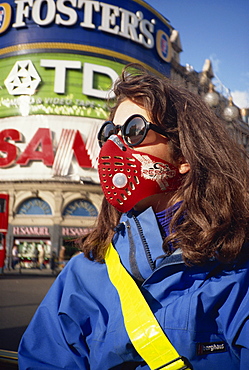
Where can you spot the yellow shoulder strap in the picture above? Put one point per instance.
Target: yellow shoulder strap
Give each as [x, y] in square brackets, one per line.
[142, 327]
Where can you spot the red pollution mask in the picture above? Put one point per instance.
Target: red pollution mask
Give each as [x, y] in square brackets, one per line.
[128, 176]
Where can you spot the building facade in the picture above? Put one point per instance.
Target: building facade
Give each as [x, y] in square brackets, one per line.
[58, 61]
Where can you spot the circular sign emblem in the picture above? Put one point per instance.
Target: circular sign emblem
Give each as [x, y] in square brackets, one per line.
[5, 16]
[163, 46]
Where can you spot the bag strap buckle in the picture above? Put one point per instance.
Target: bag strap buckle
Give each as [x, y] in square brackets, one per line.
[182, 365]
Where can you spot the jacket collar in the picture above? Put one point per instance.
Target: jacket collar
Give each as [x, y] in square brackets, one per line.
[139, 242]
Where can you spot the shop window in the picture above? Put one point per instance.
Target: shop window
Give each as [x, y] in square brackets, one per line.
[34, 253]
[69, 249]
[34, 206]
[80, 207]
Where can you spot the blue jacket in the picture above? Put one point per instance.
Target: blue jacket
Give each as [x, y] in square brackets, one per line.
[203, 310]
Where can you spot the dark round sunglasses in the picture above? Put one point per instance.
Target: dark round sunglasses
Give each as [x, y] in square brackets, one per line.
[133, 131]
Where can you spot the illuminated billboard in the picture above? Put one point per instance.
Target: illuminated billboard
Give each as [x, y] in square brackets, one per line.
[58, 61]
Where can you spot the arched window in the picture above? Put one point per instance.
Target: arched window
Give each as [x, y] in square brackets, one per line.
[34, 206]
[80, 207]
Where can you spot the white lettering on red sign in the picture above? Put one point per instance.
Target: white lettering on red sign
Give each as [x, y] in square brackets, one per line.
[31, 230]
[74, 231]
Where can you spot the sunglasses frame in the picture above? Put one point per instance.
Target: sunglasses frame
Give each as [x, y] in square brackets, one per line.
[117, 128]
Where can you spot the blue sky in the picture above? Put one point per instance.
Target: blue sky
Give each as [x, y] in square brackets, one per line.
[216, 30]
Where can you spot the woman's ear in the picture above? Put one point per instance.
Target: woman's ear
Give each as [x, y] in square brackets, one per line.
[184, 166]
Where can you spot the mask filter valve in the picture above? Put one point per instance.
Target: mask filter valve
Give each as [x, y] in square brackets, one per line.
[119, 180]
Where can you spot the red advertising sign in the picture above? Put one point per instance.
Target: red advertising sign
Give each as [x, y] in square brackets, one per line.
[4, 212]
[4, 215]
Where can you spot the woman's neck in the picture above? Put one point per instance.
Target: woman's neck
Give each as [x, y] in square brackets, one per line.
[158, 202]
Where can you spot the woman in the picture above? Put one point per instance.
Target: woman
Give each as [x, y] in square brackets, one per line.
[176, 211]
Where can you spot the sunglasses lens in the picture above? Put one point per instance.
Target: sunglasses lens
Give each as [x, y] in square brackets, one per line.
[134, 131]
[105, 132]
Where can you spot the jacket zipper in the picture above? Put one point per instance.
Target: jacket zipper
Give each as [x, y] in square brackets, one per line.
[144, 242]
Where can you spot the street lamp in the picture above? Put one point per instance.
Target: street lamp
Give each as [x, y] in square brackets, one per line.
[212, 98]
[231, 112]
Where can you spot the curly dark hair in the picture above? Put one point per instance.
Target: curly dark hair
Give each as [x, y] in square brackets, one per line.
[215, 190]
